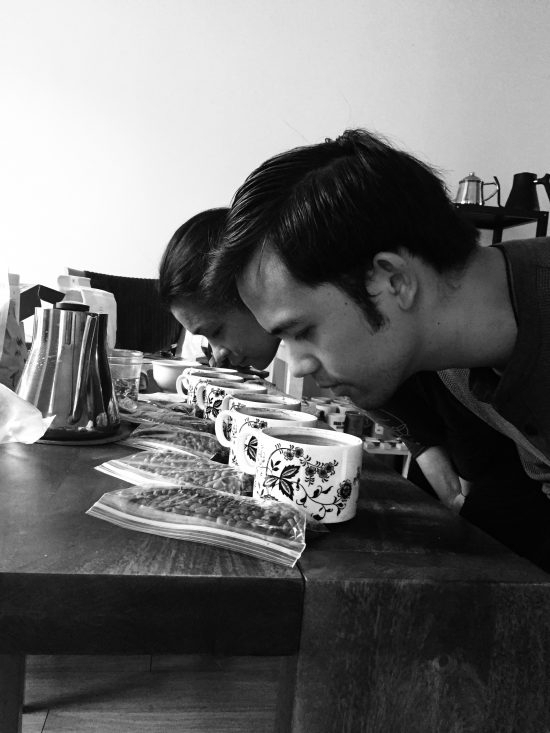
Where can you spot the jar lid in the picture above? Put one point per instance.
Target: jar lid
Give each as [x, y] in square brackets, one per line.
[71, 305]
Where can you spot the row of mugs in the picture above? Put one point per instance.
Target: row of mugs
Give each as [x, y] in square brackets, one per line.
[212, 390]
[270, 438]
[291, 460]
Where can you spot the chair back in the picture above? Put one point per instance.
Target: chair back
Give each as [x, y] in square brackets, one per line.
[143, 323]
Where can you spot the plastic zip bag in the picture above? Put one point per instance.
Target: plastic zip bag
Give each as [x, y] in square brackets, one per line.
[265, 529]
[149, 413]
[172, 438]
[178, 469]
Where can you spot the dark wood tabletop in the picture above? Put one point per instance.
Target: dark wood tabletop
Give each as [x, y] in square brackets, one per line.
[72, 583]
[406, 618]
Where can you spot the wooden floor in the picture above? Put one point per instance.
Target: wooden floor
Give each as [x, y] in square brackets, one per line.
[140, 694]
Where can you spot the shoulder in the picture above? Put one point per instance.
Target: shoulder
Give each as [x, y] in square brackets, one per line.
[535, 251]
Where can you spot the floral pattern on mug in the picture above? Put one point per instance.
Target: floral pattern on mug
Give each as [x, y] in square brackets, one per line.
[283, 476]
[251, 444]
[215, 399]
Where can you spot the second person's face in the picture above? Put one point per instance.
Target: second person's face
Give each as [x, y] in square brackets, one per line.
[234, 334]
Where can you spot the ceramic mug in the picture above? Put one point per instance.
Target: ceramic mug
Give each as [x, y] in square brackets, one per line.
[316, 469]
[229, 423]
[166, 371]
[209, 394]
[187, 382]
[243, 398]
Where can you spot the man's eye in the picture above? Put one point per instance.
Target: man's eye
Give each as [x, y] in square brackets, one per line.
[303, 334]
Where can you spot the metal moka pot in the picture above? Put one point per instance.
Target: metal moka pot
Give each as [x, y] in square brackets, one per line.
[470, 191]
[67, 373]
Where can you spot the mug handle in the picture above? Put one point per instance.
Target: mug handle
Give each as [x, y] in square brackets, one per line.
[200, 394]
[227, 402]
[219, 424]
[181, 388]
[247, 463]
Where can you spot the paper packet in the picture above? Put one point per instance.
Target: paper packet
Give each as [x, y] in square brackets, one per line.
[13, 350]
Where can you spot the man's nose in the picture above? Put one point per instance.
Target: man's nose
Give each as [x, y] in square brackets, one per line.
[301, 364]
[220, 353]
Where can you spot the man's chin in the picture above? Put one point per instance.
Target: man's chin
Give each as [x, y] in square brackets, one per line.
[358, 397]
[346, 390]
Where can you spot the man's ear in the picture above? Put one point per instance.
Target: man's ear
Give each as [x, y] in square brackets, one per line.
[394, 275]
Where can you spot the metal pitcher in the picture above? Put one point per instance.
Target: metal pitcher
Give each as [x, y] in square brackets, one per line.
[67, 373]
[524, 191]
[470, 190]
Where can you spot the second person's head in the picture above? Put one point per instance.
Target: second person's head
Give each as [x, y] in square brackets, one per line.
[232, 331]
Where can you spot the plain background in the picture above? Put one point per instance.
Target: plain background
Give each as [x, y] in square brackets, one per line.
[122, 118]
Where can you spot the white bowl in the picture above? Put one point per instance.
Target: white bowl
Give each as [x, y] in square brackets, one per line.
[166, 371]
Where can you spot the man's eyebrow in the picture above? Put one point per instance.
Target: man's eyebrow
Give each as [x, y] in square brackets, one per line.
[283, 327]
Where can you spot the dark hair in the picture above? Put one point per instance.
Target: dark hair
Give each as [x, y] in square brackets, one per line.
[186, 257]
[327, 209]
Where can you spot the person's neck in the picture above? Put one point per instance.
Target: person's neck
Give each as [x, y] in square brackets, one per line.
[475, 324]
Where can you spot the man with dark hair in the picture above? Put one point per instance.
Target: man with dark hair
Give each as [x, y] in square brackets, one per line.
[232, 331]
[353, 254]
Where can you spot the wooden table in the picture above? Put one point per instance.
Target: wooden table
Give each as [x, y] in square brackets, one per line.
[404, 620]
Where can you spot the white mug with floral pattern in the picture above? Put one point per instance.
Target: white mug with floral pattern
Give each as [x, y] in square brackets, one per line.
[314, 468]
[229, 423]
[187, 382]
[209, 394]
[244, 399]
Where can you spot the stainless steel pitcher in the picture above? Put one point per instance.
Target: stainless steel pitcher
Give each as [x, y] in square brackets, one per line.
[67, 373]
[471, 191]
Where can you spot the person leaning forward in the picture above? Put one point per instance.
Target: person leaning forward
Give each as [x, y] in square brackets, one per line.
[352, 252]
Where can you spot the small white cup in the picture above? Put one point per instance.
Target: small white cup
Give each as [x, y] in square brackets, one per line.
[230, 423]
[316, 469]
[336, 420]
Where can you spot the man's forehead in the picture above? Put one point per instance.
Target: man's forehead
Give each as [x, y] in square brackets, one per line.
[263, 268]
[197, 316]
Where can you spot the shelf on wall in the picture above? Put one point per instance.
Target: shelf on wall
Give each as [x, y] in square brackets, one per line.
[498, 218]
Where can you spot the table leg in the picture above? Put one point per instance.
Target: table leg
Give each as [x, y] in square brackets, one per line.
[12, 688]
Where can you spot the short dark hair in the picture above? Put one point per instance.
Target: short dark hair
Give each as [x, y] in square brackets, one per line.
[186, 258]
[327, 209]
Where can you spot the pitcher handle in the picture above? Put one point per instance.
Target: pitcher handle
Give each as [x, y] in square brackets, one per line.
[545, 181]
[495, 192]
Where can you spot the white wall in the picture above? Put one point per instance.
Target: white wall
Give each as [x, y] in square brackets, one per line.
[122, 118]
